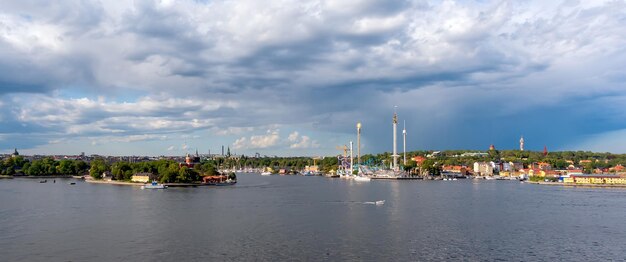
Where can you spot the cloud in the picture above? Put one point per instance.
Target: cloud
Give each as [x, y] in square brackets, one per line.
[301, 142]
[121, 69]
[270, 139]
[293, 137]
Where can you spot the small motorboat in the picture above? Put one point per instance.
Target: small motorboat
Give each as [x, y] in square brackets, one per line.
[43, 181]
[266, 173]
[154, 185]
[72, 183]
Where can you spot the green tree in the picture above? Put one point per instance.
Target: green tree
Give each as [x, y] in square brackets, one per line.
[120, 171]
[98, 166]
[66, 167]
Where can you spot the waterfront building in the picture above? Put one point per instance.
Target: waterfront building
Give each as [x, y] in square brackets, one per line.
[454, 170]
[143, 177]
[595, 179]
[483, 168]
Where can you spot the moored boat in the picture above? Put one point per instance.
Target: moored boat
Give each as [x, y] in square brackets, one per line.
[154, 185]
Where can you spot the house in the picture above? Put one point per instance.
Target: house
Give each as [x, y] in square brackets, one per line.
[617, 169]
[454, 170]
[419, 160]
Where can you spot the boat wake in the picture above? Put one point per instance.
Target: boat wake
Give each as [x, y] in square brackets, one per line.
[378, 203]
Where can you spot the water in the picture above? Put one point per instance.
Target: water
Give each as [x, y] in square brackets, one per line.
[270, 218]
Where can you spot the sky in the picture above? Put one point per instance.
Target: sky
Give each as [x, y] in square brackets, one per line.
[292, 78]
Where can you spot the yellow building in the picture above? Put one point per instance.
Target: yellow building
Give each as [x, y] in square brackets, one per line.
[596, 179]
[142, 177]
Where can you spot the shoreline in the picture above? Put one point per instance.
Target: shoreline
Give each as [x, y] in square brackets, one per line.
[577, 185]
[120, 183]
[123, 183]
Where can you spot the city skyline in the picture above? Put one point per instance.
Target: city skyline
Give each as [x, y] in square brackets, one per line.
[170, 77]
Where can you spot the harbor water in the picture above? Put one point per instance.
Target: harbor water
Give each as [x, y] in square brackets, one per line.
[295, 218]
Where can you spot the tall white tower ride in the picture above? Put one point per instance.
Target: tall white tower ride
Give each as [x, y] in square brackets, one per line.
[351, 159]
[395, 139]
[358, 143]
[404, 142]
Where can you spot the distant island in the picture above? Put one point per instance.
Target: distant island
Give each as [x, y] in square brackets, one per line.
[535, 165]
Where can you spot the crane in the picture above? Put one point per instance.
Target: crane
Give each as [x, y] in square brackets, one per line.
[344, 148]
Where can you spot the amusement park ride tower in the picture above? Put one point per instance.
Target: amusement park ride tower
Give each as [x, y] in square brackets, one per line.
[395, 139]
[358, 142]
[404, 142]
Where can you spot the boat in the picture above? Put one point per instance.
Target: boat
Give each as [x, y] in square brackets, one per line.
[154, 185]
[266, 173]
[380, 202]
[362, 178]
[228, 182]
[72, 183]
[43, 181]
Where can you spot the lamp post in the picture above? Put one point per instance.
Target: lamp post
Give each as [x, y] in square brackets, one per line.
[358, 142]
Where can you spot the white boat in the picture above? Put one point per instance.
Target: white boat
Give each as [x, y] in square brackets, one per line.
[362, 178]
[266, 173]
[378, 203]
[154, 185]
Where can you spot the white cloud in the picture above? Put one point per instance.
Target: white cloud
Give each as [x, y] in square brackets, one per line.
[171, 148]
[270, 139]
[231, 130]
[293, 136]
[301, 142]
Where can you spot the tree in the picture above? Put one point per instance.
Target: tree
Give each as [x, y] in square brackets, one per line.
[98, 166]
[431, 167]
[66, 167]
[121, 171]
